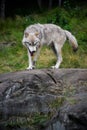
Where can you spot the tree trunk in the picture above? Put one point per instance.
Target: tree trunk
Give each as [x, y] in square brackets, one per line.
[50, 4]
[39, 4]
[2, 9]
[59, 2]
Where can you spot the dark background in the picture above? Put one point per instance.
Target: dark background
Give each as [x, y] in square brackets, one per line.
[24, 7]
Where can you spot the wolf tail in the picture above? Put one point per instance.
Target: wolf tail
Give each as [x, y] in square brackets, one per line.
[72, 40]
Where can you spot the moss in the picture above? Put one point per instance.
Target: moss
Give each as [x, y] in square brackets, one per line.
[57, 103]
[32, 121]
[71, 101]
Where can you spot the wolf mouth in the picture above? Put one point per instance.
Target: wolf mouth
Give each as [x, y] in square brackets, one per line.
[31, 52]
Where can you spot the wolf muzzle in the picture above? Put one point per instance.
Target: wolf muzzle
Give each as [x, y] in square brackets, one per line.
[32, 53]
[31, 49]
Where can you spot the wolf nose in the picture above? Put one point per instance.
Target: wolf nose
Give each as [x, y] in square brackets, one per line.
[32, 53]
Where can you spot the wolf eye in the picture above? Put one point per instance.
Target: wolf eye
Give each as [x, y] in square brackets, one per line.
[30, 43]
[35, 42]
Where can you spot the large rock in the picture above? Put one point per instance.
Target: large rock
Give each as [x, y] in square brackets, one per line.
[48, 99]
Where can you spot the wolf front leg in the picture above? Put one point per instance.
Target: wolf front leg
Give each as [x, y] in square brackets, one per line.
[30, 61]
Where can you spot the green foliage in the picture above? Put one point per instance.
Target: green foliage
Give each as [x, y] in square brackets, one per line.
[29, 121]
[57, 103]
[39, 119]
[58, 16]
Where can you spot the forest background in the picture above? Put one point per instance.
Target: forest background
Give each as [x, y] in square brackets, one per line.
[16, 15]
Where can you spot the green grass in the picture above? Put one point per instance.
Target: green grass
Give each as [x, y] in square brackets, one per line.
[13, 58]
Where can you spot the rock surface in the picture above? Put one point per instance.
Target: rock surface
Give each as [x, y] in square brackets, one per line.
[44, 99]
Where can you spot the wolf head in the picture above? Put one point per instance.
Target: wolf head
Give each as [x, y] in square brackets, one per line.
[31, 41]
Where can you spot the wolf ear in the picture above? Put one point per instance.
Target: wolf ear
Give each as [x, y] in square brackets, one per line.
[36, 33]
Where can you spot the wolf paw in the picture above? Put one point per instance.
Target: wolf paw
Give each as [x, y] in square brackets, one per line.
[30, 68]
[54, 67]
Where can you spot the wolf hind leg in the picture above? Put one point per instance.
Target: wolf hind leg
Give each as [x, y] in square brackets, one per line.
[59, 56]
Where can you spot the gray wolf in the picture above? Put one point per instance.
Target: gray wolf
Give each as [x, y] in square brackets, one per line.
[35, 36]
